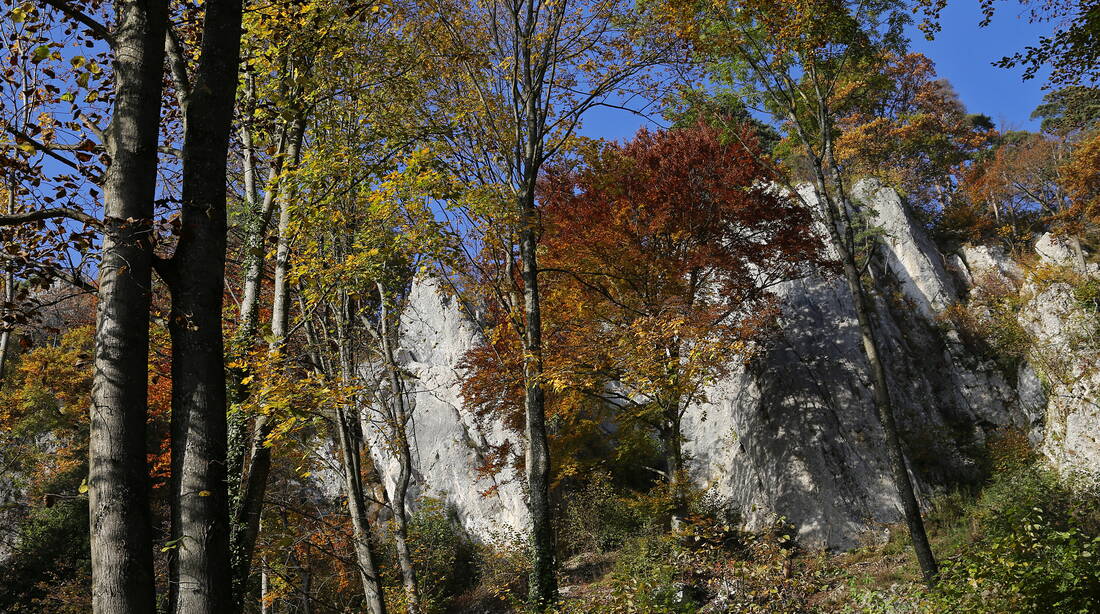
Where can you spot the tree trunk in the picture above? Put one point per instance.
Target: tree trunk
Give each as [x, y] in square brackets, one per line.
[881, 391]
[265, 608]
[9, 290]
[201, 574]
[400, 421]
[347, 431]
[118, 472]
[543, 584]
[253, 481]
[672, 444]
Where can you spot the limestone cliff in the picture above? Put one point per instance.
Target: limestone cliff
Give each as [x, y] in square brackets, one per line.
[794, 432]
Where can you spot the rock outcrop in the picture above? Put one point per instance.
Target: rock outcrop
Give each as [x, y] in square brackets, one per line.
[794, 432]
[449, 444]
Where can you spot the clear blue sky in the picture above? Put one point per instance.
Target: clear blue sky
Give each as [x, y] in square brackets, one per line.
[963, 53]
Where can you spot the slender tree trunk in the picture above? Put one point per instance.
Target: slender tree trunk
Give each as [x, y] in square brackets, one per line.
[835, 212]
[400, 421]
[9, 289]
[5, 334]
[118, 472]
[253, 481]
[672, 443]
[347, 430]
[195, 275]
[543, 583]
[265, 588]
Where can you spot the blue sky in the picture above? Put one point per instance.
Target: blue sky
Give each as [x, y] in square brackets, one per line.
[963, 53]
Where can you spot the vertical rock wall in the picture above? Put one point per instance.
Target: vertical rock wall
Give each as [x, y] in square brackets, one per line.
[794, 433]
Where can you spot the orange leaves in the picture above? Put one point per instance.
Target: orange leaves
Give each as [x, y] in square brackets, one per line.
[904, 125]
[658, 256]
[1080, 177]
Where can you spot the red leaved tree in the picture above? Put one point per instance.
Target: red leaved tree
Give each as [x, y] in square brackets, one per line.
[659, 257]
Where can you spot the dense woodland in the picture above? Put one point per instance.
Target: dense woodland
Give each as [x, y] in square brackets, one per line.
[215, 211]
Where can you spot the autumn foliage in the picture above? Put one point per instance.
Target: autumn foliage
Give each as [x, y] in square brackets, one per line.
[659, 257]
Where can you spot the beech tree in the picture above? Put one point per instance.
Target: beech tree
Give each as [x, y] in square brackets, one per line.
[200, 577]
[528, 73]
[121, 531]
[659, 256]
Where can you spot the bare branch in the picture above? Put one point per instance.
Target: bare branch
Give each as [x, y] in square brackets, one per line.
[14, 219]
[96, 28]
[46, 149]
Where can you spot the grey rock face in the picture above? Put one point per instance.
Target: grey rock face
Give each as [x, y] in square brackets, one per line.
[448, 443]
[1065, 356]
[794, 433]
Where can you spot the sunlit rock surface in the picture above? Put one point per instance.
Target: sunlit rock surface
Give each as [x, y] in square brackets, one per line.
[794, 433]
[449, 445]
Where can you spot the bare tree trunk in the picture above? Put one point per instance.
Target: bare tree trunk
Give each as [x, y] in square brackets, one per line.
[264, 589]
[118, 472]
[253, 481]
[400, 421]
[348, 438]
[195, 275]
[883, 403]
[9, 290]
[672, 444]
[543, 583]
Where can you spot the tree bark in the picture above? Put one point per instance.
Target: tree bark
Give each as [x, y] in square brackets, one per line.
[201, 574]
[400, 421]
[543, 584]
[347, 427]
[118, 472]
[672, 443]
[871, 348]
[253, 481]
[9, 290]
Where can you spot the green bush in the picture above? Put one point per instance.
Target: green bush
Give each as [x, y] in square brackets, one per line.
[1037, 550]
[1087, 294]
[597, 518]
[649, 577]
[442, 555]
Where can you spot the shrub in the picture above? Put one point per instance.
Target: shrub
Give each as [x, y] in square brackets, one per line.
[502, 567]
[442, 555]
[597, 518]
[649, 576]
[989, 325]
[754, 572]
[1087, 294]
[1037, 551]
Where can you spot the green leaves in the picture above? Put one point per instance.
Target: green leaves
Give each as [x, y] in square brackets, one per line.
[40, 53]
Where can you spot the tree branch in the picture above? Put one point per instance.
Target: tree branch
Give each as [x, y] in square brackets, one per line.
[177, 62]
[46, 214]
[42, 147]
[96, 28]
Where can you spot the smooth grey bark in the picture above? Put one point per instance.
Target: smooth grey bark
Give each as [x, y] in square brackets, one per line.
[200, 575]
[259, 218]
[9, 288]
[543, 583]
[350, 444]
[399, 418]
[255, 470]
[265, 608]
[118, 472]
